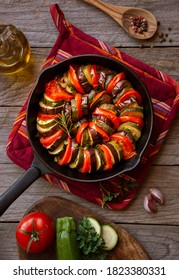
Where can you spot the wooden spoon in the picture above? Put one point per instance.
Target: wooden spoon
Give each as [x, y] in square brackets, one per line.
[122, 15]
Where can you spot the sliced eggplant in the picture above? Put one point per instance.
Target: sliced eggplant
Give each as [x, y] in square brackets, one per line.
[109, 78]
[102, 118]
[77, 125]
[128, 135]
[50, 110]
[57, 142]
[126, 103]
[48, 130]
[115, 150]
[94, 137]
[121, 92]
[100, 161]
[109, 107]
[103, 74]
[105, 98]
[83, 80]
[75, 149]
[78, 161]
[119, 86]
[92, 159]
[59, 150]
[85, 139]
[107, 128]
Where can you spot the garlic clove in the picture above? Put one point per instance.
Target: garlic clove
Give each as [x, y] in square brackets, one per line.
[157, 195]
[149, 204]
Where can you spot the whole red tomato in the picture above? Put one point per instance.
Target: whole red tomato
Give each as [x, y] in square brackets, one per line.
[35, 232]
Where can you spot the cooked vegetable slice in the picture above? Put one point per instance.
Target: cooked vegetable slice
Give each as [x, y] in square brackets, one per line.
[74, 79]
[110, 237]
[115, 80]
[128, 149]
[55, 92]
[129, 93]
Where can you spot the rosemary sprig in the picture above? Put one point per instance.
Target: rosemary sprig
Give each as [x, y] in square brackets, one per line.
[65, 122]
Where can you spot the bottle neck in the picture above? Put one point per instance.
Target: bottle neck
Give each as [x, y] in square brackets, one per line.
[7, 33]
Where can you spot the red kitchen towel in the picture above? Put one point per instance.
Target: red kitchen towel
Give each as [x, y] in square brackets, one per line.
[164, 91]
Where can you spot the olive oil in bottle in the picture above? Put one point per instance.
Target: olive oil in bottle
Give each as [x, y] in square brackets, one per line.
[14, 49]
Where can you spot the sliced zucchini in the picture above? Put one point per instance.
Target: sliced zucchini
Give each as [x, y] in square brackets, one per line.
[85, 139]
[48, 130]
[108, 129]
[119, 87]
[133, 111]
[86, 71]
[109, 107]
[46, 123]
[110, 237]
[133, 128]
[50, 102]
[100, 161]
[115, 153]
[121, 92]
[50, 110]
[59, 150]
[78, 162]
[118, 149]
[95, 224]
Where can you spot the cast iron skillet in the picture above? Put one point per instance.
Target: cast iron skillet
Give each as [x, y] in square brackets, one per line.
[43, 163]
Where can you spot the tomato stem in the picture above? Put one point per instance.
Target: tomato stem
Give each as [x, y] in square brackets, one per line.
[33, 234]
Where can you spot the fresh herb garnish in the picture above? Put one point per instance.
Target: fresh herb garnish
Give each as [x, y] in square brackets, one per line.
[65, 122]
[107, 196]
[90, 242]
[124, 187]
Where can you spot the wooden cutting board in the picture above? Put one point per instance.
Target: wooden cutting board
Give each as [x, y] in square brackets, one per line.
[128, 248]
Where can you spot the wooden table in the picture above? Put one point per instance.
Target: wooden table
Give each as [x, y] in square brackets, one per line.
[159, 233]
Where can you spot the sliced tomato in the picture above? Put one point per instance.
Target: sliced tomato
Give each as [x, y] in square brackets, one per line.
[74, 79]
[102, 133]
[80, 132]
[94, 76]
[97, 96]
[109, 160]
[56, 92]
[114, 81]
[128, 94]
[78, 100]
[66, 157]
[86, 167]
[133, 119]
[109, 115]
[47, 117]
[127, 147]
[49, 140]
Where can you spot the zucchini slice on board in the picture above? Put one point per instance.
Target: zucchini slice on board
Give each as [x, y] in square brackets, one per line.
[110, 237]
[94, 223]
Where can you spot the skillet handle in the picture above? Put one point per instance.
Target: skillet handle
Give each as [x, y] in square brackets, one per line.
[9, 196]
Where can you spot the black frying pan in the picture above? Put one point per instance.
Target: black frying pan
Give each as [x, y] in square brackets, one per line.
[43, 162]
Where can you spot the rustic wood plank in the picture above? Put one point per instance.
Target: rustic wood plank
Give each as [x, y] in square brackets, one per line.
[161, 242]
[36, 22]
[165, 178]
